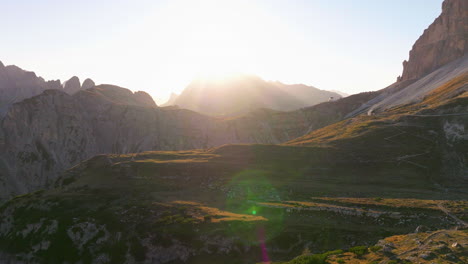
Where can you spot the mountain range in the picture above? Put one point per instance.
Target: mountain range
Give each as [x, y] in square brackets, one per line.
[239, 94]
[104, 175]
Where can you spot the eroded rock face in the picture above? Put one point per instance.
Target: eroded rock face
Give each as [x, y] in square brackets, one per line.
[445, 40]
[34, 148]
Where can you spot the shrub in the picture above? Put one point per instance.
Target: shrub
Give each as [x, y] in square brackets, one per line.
[334, 252]
[359, 250]
[375, 248]
[310, 259]
[316, 258]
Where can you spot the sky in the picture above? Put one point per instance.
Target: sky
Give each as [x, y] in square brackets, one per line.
[160, 46]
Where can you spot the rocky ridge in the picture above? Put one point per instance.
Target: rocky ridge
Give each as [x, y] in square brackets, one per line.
[444, 41]
[17, 84]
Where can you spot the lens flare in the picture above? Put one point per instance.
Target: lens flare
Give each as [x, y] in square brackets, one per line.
[246, 190]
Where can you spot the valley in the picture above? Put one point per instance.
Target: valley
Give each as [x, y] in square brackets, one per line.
[241, 169]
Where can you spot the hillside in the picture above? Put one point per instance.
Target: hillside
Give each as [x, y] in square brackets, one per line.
[227, 204]
[432, 129]
[42, 136]
[442, 246]
[357, 182]
[239, 94]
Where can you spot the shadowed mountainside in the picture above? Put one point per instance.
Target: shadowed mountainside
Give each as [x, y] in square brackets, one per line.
[231, 203]
[42, 136]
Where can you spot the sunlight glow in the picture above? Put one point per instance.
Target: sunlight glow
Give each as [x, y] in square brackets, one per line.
[206, 38]
[211, 39]
[161, 46]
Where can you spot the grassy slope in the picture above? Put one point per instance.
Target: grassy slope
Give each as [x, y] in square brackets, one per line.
[452, 93]
[443, 246]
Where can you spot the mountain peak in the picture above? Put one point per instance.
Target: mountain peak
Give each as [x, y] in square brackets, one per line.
[88, 83]
[442, 42]
[72, 86]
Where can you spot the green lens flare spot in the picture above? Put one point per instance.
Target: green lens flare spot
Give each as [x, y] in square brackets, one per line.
[254, 212]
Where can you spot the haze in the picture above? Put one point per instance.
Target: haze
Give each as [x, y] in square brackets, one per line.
[160, 46]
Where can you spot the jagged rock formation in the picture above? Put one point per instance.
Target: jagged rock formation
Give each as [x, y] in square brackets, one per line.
[17, 85]
[72, 86]
[439, 55]
[88, 83]
[445, 40]
[239, 94]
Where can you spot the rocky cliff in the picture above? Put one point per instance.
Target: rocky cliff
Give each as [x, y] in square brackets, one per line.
[445, 40]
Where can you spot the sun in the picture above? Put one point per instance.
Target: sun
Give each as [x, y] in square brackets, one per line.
[207, 38]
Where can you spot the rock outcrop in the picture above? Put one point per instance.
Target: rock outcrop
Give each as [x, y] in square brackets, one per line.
[88, 83]
[17, 84]
[445, 40]
[72, 86]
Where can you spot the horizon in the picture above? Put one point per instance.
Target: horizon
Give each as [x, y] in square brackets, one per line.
[173, 42]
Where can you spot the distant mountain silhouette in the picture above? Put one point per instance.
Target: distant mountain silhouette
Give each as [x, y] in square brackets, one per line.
[239, 94]
[17, 84]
